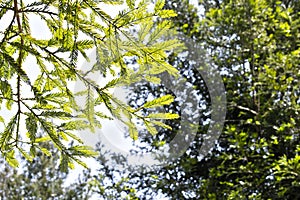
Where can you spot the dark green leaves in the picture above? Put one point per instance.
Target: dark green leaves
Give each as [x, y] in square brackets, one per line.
[31, 126]
[6, 92]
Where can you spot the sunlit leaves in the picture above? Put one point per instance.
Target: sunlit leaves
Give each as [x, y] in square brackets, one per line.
[46, 151]
[150, 127]
[11, 158]
[41, 95]
[164, 100]
[130, 3]
[163, 125]
[82, 151]
[133, 133]
[25, 154]
[90, 108]
[67, 160]
[161, 29]
[163, 116]
[1, 119]
[145, 28]
[159, 5]
[6, 135]
[167, 13]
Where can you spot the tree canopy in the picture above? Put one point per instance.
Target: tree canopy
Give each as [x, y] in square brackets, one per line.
[255, 45]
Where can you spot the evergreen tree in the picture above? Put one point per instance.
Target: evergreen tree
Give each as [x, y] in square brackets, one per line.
[39, 97]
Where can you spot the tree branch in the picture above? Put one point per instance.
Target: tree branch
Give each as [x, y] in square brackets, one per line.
[16, 14]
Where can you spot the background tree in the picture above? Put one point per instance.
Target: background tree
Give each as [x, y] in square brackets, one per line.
[258, 44]
[40, 179]
[255, 44]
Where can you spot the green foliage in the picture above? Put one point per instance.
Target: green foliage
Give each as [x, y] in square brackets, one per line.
[40, 179]
[47, 102]
[255, 44]
[264, 96]
[165, 100]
